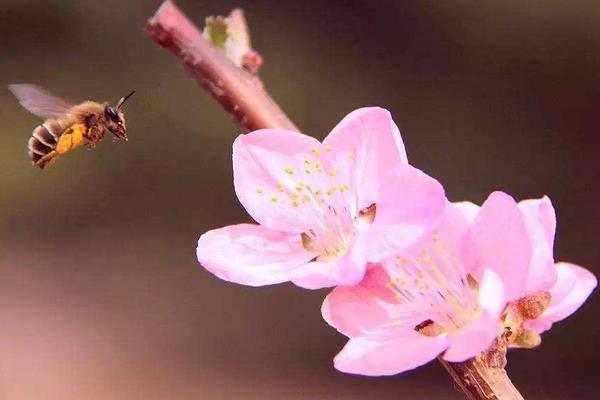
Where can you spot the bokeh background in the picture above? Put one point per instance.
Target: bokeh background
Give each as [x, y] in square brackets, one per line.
[100, 293]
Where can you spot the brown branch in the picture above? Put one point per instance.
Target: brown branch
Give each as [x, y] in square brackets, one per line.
[478, 381]
[239, 92]
[242, 94]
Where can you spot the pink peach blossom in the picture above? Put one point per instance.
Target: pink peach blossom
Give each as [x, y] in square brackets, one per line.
[318, 203]
[443, 295]
[552, 291]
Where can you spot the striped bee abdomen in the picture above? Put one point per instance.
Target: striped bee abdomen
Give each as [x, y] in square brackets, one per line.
[43, 140]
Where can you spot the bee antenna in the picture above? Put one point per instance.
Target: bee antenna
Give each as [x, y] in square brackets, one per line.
[123, 99]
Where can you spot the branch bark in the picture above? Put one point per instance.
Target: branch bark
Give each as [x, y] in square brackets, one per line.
[479, 382]
[242, 95]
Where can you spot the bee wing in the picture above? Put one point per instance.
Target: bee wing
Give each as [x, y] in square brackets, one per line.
[39, 101]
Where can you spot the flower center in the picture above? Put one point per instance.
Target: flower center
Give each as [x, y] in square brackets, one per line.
[333, 237]
[316, 189]
[433, 292]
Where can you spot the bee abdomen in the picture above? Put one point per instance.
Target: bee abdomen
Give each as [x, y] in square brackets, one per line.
[46, 136]
[42, 141]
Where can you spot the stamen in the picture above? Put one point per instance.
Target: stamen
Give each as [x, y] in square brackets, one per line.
[334, 218]
[438, 291]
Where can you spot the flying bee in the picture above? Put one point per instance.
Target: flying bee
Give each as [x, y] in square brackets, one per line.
[67, 126]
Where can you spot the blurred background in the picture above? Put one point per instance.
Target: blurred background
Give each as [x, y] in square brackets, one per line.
[101, 296]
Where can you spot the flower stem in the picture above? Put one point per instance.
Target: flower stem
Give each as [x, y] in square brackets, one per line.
[242, 94]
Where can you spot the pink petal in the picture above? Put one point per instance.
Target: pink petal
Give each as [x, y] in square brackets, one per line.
[410, 205]
[540, 213]
[540, 220]
[353, 310]
[468, 209]
[499, 241]
[573, 286]
[491, 296]
[251, 254]
[268, 165]
[347, 269]
[388, 353]
[449, 232]
[475, 338]
[372, 139]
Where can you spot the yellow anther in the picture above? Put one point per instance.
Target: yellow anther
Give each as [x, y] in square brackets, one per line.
[331, 190]
[280, 187]
[289, 170]
[300, 187]
[316, 152]
[295, 203]
[274, 199]
[259, 190]
[306, 161]
[328, 148]
[332, 172]
[307, 171]
[294, 195]
[317, 192]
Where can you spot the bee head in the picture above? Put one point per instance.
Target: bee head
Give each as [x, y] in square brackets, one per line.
[115, 121]
[115, 118]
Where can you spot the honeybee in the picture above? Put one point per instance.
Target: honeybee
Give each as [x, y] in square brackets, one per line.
[67, 126]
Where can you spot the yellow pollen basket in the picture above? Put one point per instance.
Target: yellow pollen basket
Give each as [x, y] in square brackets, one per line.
[70, 139]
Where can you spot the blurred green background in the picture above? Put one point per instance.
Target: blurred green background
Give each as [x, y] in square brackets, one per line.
[100, 293]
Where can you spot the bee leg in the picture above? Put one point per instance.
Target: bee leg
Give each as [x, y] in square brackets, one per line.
[93, 136]
[42, 162]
